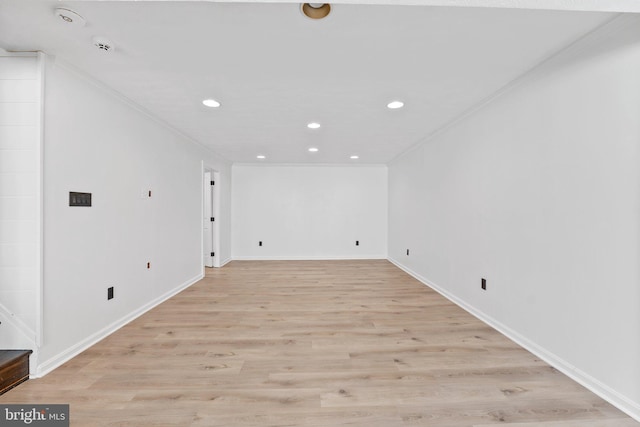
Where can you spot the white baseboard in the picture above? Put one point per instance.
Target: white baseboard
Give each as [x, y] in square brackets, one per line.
[15, 335]
[306, 258]
[618, 400]
[52, 363]
[21, 328]
[226, 261]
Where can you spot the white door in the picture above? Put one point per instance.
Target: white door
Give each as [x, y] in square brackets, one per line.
[215, 214]
[208, 252]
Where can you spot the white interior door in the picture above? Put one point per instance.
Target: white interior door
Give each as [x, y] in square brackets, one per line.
[208, 252]
[215, 213]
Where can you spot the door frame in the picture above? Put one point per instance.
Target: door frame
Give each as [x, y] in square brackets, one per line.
[215, 213]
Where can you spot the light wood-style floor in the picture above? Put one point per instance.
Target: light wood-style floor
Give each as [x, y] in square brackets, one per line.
[313, 343]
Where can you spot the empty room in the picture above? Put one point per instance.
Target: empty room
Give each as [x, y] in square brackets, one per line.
[363, 213]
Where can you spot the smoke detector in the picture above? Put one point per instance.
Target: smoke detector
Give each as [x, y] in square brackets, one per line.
[315, 10]
[103, 44]
[68, 16]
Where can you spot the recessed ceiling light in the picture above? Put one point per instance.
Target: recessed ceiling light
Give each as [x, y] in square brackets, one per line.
[260, 156]
[313, 149]
[354, 157]
[211, 103]
[313, 125]
[394, 105]
[315, 10]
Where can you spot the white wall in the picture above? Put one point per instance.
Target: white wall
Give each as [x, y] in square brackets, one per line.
[539, 193]
[97, 142]
[20, 201]
[309, 212]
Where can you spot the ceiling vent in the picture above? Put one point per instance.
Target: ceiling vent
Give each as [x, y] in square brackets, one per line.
[315, 10]
[103, 44]
[68, 16]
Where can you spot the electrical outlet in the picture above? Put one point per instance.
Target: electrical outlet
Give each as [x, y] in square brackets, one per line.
[407, 252]
[357, 242]
[148, 265]
[260, 243]
[110, 293]
[483, 284]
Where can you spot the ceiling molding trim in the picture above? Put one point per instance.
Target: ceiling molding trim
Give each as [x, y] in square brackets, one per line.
[532, 73]
[66, 65]
[620, 6]
[12, 53]
[307, 165]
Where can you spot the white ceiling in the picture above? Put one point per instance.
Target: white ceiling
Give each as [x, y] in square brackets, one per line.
[275, 70]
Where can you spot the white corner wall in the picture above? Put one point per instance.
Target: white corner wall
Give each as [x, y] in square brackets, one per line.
[20, 201]
[97, 142]
[309, 212]
[539, 193]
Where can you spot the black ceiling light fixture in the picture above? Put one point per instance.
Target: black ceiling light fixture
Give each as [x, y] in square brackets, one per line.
[315, 10]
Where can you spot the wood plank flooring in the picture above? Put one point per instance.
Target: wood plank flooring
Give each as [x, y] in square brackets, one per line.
[313, 343]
